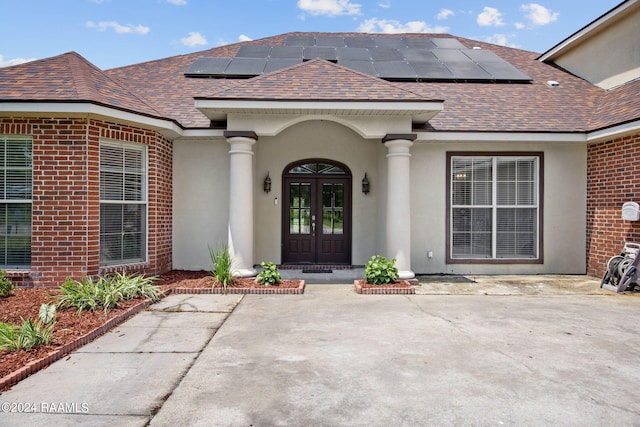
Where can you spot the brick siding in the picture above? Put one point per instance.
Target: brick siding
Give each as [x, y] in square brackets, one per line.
[613, 177]
[66, 197]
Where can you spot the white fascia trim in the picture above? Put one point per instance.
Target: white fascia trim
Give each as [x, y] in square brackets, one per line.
[499, 137]
[409, 107]
[43, 108]
[202, 133]
[586, 32]
[614, 132]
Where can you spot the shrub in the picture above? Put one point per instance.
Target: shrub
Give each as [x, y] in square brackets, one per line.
[221, 271]
[380, 271]
[269, 275]
[30, 333]
[106, 292]
[6, 286]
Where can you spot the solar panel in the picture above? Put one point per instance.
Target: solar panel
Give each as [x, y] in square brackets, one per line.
[431, 70]
[358, 41]
[246, 67]
[386, 54]
[447, 43]
[328, 53]
[395, 70]
[330, 41]
[353, 53]
[395, 42]
[365, 67]
[208, 66]
[286, 52]
[389, 57]
[253, 51]
[419, 42]
[300, 40]
[274, 64]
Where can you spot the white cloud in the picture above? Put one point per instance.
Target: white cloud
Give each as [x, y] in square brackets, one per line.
[490, 17]
[194, 39]
[177, 2]
[390, 26]
[244, 38]
[329, 7]
[539, 15]
[241, 38]
[118, 28]
[500, 39]
[519, 26]
[15, 61]
[444, 14]
[384, 4]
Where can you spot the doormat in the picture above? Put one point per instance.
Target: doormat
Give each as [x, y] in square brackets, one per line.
[316, 271]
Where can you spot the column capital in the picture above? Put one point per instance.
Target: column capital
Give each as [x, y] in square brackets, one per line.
[240, 134]
[402, 136]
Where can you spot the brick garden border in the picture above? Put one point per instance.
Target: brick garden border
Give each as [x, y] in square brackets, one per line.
[36, 365]
[231, 290]
[384, 290]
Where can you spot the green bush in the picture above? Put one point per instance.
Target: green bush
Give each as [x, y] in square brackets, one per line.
[221, 271]
[269, 275]
[380, 271]
[106, 292]
[6, 286]
[30, 333]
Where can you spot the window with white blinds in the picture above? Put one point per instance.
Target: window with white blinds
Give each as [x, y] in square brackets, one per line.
[494, 206]
[16, 167]
[123, 204]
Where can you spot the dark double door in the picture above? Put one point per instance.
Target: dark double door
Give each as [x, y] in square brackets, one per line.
[317, 220]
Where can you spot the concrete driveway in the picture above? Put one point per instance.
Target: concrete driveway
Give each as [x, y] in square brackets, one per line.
[331, 357]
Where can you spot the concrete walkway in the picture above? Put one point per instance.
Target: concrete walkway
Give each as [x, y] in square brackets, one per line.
[333, 357]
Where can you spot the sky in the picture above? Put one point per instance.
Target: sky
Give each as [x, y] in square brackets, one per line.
[115, 33]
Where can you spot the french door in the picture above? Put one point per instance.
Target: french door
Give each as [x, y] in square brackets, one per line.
[316, 214]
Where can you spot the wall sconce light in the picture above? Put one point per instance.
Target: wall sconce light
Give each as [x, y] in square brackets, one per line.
[266, 186]
[365, 184]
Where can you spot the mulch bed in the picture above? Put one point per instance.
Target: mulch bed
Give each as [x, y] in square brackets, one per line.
[73, 330]
[202, 283]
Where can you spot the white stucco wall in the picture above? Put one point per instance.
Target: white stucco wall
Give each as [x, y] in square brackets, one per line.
[200, 201]
[201, 194]
[564, 208]
[317, 139]
[610, 57]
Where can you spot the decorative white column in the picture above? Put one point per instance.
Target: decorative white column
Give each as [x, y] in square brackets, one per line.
[399, 201]
[241, 201]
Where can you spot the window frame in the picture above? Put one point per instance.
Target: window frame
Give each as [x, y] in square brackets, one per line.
[6, 202]
[540, 205]
[144, 150]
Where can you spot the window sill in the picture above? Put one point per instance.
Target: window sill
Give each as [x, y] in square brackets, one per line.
[481, 261]
[140, 266]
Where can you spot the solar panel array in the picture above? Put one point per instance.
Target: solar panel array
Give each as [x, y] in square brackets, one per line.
[386, 57]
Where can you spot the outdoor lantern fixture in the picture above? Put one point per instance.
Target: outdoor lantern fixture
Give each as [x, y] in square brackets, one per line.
[266, 186]
[365, 184]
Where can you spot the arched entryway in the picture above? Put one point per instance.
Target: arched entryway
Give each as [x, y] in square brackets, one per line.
[316, 213]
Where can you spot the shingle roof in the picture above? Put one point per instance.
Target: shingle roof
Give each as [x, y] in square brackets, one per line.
[160, 88]
[67, 77]
[317, 80]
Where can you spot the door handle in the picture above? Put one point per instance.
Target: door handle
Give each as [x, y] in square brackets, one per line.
[313, 228]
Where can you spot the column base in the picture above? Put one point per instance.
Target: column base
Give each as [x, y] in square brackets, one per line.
[245, 272]
[406, 275]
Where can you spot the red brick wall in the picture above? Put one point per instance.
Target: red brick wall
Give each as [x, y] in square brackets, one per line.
[66, 196]
[613, 177]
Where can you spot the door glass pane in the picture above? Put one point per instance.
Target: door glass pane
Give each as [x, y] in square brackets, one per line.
[332, 208]
[305, 221]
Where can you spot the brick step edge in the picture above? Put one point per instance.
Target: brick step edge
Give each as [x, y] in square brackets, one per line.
[382, 290]
[265, 290]
[36, 365]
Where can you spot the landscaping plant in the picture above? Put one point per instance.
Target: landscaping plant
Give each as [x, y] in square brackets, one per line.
[269, 275]
[31, 333]
[380, 271]
[106, 292]
[6, 286]
[221, 259]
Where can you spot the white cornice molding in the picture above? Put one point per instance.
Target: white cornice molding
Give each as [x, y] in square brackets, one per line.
[500, 137]
[614, 132]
